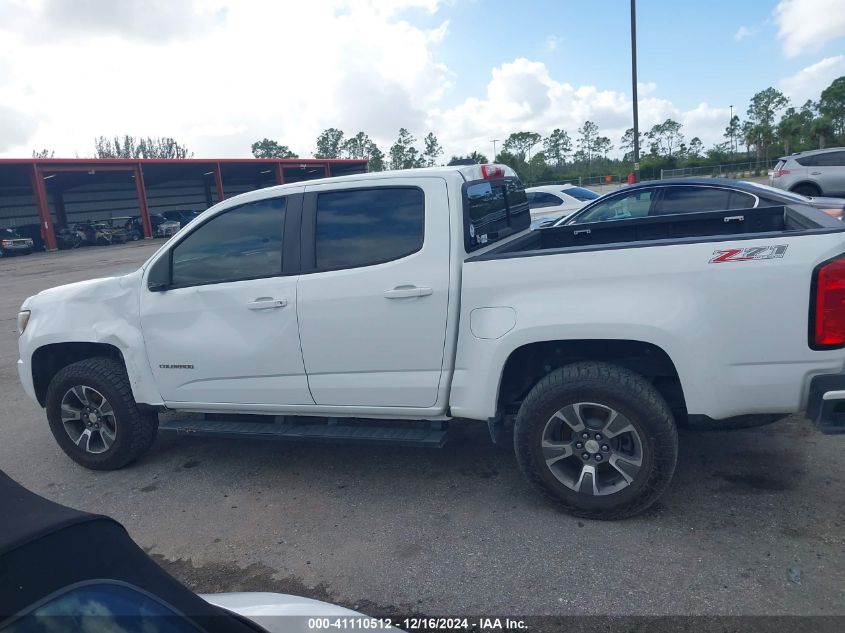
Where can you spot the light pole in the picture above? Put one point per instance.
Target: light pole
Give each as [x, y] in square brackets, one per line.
[494, 141]
[634, 90]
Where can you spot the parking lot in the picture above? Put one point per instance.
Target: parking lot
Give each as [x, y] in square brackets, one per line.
[753, 523]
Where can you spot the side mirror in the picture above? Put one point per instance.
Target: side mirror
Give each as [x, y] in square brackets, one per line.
[159, 278]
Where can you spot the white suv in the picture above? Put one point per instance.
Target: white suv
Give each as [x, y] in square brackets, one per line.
[815, 173]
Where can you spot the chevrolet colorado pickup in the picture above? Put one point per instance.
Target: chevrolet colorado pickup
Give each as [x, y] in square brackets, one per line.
[378, 307]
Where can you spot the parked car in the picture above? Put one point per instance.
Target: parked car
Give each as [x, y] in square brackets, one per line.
[819, 172]
[162, 227]
[100, 233]
[131, 227]
[13, 243]
[33, 232]
[557, 201]
[182, 217]
[692, 195]
[70, 237]
[417, 297]
[66, 570]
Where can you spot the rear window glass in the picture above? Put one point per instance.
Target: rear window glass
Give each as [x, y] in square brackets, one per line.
[362, 227]
[808, 161]
[494, 210]
[579, 193]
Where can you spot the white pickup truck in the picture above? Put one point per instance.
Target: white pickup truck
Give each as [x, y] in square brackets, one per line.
[378, 307]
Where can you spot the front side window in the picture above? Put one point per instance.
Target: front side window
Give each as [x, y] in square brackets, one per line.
[635, 204]
[362, 227]
[242, 243]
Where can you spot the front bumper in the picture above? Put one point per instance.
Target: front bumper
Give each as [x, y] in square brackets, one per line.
[826, 403]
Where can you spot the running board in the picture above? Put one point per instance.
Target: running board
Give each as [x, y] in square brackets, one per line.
[327, 433]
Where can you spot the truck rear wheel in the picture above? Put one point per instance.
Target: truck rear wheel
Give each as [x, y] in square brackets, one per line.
[598, 439]
[94, 417]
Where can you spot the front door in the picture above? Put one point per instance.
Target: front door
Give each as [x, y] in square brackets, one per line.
[374, 292]
[225, 330]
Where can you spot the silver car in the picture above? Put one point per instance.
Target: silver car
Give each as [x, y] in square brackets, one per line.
[814, 173]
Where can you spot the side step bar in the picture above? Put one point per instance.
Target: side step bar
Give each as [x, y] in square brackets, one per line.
[383, 435]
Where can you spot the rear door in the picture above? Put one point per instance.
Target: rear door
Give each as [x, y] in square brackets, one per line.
[373, 296]
[831, 178]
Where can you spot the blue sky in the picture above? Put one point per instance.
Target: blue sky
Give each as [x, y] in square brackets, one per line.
[220, 74]
[689, 51]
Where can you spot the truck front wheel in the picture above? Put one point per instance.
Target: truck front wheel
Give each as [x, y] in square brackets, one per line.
[598, 439]
[94, 417]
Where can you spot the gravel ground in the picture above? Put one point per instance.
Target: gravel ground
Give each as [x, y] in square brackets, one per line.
[752, 524]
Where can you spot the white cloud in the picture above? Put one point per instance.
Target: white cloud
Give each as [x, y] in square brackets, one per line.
[521, 95]
[552, 43]
[281, 69]
[809, 82]
[645, 88]
[248, 69]
[807, 25]
[743, 32]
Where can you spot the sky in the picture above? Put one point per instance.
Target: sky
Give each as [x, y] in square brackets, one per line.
[220, 74]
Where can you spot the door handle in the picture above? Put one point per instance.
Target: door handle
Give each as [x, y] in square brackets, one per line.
[815, 173]
[266, 303]
[404, 292]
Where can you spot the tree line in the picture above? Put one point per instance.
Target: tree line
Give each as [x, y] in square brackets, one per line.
[333, 143]
[772, 126]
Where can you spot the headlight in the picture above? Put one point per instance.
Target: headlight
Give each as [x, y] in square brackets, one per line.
[23, 319]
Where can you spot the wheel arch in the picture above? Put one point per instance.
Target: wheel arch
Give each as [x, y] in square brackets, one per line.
[530, 362]
[810, 183]
[49, 359]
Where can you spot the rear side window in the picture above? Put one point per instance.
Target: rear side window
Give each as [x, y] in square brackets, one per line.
[539, 200]
[831, 159]
[808, 161]
[494, 210]
[579, 193]
[242, 243]
[362, 227]
[693, 200]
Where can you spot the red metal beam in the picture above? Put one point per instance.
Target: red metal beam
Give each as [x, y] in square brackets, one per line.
[39, 191]
[141, 188]
[85, 167]
[218, 182]
[280, 174]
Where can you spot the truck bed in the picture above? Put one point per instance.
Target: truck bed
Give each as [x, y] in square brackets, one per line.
[672, 228]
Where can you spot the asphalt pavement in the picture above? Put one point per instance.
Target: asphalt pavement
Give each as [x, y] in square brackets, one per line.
[752, 524]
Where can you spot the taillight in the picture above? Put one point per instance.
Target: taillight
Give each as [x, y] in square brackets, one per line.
[780, 172]
[490, 172]
[827, 310]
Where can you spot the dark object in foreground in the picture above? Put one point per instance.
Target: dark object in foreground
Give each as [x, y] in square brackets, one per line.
[59, 566]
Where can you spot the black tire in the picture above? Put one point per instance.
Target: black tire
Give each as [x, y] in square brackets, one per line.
[618, 390]
[807, 189]
[134, 429]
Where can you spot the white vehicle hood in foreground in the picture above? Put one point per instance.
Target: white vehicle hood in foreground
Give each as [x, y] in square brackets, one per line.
[279, 612]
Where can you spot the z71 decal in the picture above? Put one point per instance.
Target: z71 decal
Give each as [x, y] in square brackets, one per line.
[752, 253]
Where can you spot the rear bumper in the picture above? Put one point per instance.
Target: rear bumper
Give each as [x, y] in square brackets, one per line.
[826, 403]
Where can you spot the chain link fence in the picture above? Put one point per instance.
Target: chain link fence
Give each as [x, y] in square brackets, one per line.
[731, 170]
